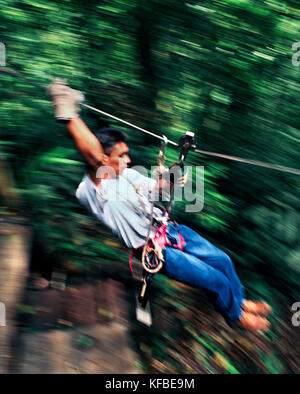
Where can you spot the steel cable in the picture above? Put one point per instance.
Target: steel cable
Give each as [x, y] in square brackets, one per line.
[203, 152]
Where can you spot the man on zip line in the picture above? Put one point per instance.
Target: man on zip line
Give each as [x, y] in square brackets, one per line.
[119, 197]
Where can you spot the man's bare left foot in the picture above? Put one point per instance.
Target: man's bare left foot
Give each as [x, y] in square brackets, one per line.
[257, 307]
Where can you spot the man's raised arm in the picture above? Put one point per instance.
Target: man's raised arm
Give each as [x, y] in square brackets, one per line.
[65, 101]
[86, 142]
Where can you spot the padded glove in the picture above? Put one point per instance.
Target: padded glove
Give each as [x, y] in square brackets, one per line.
[65, 100]
[176, 175]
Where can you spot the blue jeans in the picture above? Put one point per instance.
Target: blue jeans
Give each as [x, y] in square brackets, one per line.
[201, 264]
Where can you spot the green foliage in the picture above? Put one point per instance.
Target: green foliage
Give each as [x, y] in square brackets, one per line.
[222, 69]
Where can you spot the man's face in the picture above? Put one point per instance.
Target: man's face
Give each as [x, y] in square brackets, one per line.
[119, 158]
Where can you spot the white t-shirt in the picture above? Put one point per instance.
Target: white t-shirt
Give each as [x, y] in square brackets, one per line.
[118, 205]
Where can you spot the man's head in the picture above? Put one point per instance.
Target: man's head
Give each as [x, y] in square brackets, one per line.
[115, 148]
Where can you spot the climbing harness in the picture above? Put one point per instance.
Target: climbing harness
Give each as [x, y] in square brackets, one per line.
[166, 234]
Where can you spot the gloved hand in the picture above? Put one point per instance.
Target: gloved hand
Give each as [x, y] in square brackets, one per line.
[159, 171]
[176, 176]
[65, 100]
[167, 179]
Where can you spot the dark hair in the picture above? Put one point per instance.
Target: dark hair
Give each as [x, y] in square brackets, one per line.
[108, 137]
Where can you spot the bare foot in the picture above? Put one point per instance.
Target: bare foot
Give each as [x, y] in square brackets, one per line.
[252, 322]
[259, 307]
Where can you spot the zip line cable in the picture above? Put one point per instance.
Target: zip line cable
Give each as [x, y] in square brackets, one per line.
[127, 123]
[203, 152]
[251, 162]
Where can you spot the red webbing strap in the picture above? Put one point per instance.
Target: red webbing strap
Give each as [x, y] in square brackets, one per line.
[130, 260]
[160, 238]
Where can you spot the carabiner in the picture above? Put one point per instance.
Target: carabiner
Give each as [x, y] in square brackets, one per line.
[161, 155]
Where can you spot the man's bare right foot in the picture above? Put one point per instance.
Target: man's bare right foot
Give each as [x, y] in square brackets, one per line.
[253, 322]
